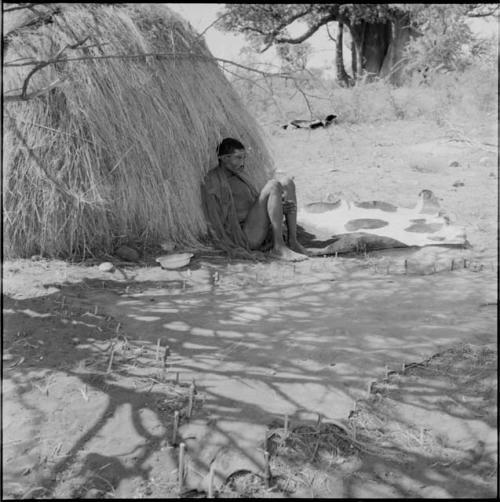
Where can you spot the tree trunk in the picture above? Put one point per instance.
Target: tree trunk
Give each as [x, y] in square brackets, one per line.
[393, 63]
[354, 61]
[380, 46]
[342, 77]
[372, 42]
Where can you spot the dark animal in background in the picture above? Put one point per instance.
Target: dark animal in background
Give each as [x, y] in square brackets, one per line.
[310, 124]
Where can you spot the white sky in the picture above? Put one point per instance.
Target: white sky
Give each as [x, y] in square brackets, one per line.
[228, 46]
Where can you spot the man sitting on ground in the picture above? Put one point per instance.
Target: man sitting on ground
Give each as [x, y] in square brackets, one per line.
[240, 217]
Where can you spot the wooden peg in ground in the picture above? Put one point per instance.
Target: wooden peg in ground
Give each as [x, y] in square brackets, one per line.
[165, 355]
[211, 475]
[111, 360]
[192, 390]
[158, 350]
[267, 470]
[176, 426]
[182, 448]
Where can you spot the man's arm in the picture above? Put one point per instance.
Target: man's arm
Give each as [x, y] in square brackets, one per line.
[220, 213]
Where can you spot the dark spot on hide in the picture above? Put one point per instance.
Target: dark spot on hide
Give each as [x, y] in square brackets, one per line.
[423, 228]
[321, 207]
[353, 225]
[376, 204]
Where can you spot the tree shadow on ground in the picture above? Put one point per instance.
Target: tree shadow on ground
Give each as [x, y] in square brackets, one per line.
[278, 346]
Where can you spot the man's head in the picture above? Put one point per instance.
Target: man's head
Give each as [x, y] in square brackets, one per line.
[231, 153]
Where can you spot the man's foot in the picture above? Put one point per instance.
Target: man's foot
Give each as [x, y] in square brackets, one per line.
[299, 248]
[286, 254]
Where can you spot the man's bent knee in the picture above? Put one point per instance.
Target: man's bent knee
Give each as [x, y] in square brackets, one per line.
[288, 186]
[272, 186]
[287, 181]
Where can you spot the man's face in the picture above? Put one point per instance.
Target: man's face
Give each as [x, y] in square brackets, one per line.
[234, 162]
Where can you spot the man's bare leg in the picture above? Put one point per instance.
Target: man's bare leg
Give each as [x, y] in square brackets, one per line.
[266, 211]
[291, 217]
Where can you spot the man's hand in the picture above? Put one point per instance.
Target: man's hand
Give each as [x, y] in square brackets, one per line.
[289, 207]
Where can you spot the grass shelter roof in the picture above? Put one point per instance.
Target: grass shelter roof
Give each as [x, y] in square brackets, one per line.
[112, 116]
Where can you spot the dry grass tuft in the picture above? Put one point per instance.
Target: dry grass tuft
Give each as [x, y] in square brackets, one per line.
[447, 99]
[117, 151]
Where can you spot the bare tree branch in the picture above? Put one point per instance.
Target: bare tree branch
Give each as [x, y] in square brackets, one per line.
[143, 55]
[483, 10]
[42, 64]
[330, 36]
[19, 7]
[211, 24]
[25, 97]
[313, 29]
[271, 37]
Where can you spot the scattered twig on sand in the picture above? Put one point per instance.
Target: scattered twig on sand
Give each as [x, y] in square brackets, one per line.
[89, 314]
[43, 390]
[56, 450]
[17, 363]
[313, 456]
[31, 490]
[111, 360]
[422, 431]
[83, 390]
[107, 482]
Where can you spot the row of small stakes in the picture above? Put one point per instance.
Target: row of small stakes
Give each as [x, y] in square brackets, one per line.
[192, 392]
[182, 445]
[267, 470]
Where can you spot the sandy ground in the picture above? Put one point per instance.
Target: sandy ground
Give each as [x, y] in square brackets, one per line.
[89, 399]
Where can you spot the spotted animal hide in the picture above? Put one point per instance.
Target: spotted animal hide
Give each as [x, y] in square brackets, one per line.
[344, 226]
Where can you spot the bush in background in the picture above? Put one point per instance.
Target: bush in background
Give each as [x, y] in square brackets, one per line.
[445, 97]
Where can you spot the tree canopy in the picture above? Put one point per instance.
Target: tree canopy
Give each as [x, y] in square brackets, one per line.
[379, 32]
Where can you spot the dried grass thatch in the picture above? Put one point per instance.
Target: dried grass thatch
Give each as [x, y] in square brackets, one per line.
[114, 149]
